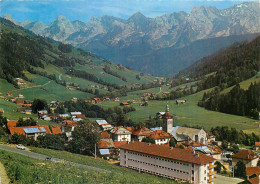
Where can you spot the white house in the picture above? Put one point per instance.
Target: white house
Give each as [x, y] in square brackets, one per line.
[121, 134]
[160, 137]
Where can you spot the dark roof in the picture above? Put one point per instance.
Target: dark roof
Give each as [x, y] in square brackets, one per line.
[162, 151]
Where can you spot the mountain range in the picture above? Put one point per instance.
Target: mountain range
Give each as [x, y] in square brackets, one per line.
[160, 45]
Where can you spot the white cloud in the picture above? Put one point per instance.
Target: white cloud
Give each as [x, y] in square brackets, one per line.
[22, 9]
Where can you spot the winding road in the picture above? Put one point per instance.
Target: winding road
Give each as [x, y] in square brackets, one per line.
[43, 157]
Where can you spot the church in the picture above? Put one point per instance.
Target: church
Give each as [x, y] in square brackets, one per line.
[182, 134]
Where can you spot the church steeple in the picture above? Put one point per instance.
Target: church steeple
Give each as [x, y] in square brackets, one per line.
[167, 114]
[167, 120]
[167, 108]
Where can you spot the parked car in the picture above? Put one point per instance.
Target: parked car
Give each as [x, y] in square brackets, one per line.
[50, 158]
[20, 146]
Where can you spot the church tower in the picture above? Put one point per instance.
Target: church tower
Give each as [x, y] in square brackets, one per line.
[167, 121]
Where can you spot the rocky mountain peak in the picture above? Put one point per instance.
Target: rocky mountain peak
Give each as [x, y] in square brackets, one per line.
[137, 16]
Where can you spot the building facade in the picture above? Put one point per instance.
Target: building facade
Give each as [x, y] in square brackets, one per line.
[183, 134]
[248, 157]
[173, 163]
[160, 137]
[121, 134]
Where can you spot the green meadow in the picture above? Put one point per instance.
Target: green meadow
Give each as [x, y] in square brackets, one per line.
[190, 113]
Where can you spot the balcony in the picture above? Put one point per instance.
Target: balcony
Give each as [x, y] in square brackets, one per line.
[212, 166]
[212, 173]
[211, 179]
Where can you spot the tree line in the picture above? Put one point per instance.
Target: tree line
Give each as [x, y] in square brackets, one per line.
[108, 70]
[234, 136]
[238, 101]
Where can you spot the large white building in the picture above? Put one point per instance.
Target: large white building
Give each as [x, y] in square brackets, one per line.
[173, 163]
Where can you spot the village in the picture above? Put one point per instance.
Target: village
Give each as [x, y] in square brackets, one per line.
[174, 152]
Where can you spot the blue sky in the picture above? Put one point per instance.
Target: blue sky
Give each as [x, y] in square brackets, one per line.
[48, 10]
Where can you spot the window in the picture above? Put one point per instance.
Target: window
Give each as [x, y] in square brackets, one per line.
[205, 171]
[192, 171]
[205, 178]
[192, 178]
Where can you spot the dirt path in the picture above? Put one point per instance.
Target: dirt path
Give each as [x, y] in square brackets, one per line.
[3, 177]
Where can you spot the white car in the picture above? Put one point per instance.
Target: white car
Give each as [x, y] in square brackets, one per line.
[20, 146]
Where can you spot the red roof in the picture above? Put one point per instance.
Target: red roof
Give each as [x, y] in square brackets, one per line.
[19, 130]
[56, 129]
[163, 151]
[254, 180]
[69, 123]
[82, 116]
[193, 144]
[245, 154]
[11, 123]
[97, 100]
[141, 131]
[159, 134]
[106, 143]
[131, 129]
[252, 170]
[104, 135]
[125, 103]
[1, 110]
[19, 101]
[257, 143]
[167, 115]
[27, 105]
[119, 143]
[215, 149]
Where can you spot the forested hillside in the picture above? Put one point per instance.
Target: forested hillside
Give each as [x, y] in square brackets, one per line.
[238, 101]
[226, 69]
[23, 53]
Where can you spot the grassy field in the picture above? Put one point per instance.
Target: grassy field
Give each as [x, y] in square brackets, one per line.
[42, 88]
[60, 75]
[49, 90]
[118, 174]
[189, 113]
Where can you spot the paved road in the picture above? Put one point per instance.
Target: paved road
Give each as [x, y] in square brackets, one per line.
[226, 180]
[42, 157]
